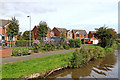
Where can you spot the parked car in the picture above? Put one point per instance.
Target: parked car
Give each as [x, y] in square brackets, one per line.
[88, 42]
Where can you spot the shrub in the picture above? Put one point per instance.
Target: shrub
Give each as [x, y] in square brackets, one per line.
[14, 52]
[109, 50]
[35, 46]
[25, 52]
[48, 46]
[66, 46]
[98, 52]
[61, 47]
[79, 57]
[83, 42]
[74, 43]
[83, 55]
[20, 52]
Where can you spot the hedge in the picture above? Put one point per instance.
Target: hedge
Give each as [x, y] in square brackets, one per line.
[22, 43]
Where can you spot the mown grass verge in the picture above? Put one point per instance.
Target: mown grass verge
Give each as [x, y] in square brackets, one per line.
[92, 46]
[27, 67]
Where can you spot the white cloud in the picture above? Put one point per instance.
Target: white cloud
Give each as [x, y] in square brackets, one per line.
[62, 13]
[20, 8]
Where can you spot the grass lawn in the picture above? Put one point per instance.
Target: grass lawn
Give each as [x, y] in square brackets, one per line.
[27, 67]
[91, 46]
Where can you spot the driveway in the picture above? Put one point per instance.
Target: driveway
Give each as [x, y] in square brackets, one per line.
[32, 56]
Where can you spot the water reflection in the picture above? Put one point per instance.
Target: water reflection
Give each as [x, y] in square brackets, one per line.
[99, 68]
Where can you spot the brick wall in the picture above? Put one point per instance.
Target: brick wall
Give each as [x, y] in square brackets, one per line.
[34, 32]
[56, 32]
[5, 52]
[75, 37]
[49, 34]
[90, 35]
[86, 36]
[69, 37]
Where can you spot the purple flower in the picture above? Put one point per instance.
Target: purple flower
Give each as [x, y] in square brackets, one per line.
[36, 42]
[66, 42]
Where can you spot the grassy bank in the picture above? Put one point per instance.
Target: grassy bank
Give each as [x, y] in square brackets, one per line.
[45, 64]
[91, 46]
[27, 67]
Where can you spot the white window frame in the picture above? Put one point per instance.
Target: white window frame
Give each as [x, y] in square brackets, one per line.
[0, 37]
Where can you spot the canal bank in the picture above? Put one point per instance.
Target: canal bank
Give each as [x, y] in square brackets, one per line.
[36, 67]
[100, 68]
[95, 57]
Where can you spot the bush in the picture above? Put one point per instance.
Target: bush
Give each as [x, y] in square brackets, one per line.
[35, 46]
[83, 42]
[14, 52]
[74, 43]
[83, 55]
[20, 52]
[22, 43]
[98, 52]
[109, 50]
[79, 57]
[48, 46]
[66, 46]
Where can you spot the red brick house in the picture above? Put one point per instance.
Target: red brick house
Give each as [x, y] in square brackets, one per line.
[93, 38]
[90, 34]
[69, 34]
[3, 31]
[35, 34]
[79, 34]
[57, 32]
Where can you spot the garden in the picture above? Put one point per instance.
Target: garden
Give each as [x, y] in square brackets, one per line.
[22, 48]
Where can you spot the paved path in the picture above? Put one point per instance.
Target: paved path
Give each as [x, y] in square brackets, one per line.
[32, 56]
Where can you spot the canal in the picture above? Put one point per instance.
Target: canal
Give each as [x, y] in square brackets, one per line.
[100, 68]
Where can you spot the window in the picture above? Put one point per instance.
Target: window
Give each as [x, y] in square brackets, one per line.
[51, 34]
[35, 33]
[69, 34]
[8, 38]
[0, 37]
[77, 35]
[84, 36]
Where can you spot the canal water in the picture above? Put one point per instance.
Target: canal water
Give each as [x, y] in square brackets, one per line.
[100, 68]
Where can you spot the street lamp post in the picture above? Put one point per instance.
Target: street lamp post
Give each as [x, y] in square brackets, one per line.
[30, 31]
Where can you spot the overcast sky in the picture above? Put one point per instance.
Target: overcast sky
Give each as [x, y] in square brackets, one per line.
[70, 14]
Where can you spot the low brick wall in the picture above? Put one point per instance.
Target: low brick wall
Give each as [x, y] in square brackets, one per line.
[5, 52]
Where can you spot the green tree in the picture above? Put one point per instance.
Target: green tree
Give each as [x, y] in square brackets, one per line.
[20, 37]
[13, 29]
[42, 30]
[63, 36]
[26, 35]
[118, 35]
[107, 36]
